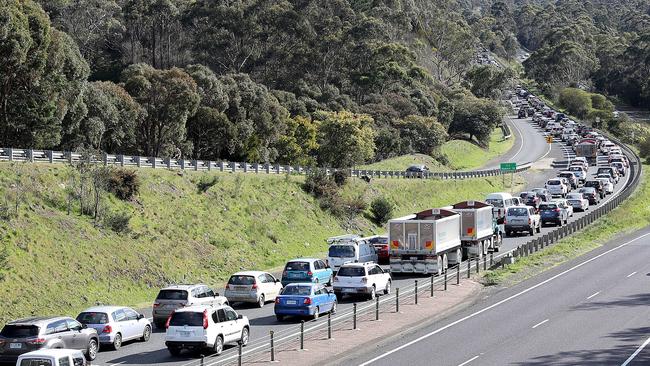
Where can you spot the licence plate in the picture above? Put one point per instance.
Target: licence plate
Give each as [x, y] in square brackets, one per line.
[349, 290]
[184, 334]
[414, 258]
[291, 302]
[15, 345]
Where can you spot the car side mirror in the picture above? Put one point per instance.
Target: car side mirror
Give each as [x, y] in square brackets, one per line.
[140, 316]
[239, 316]
[84, 326]
[216, 294]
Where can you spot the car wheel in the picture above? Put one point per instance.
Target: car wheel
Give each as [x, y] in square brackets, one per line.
[279, 317]
[218, 345]
[91, 351]
[316, 313]
[245, 335]
[539, 228]
[387, 289]
[146, 334]
[329, 283]
[373, 293]
[174, 351]
[117, 342]
[261, 301]
[333, 310]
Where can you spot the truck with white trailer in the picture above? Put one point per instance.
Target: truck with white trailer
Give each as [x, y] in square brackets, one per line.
[425, 242]
[480, 230]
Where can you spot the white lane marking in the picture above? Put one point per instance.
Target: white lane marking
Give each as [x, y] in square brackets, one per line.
[593, 295]
[119, 363]
[631, 274]
[540, 323]
[547, 152]
[641, 347]
[500, 302]
[468, 361]
[521, 138]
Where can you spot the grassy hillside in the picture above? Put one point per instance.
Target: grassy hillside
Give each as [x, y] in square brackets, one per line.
[404, 161]
[52, 262]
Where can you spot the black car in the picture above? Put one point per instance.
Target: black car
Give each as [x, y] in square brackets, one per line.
[590, 194]
[522, 113]
[598, 186]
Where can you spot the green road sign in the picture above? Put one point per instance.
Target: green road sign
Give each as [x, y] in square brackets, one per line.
[508, 167]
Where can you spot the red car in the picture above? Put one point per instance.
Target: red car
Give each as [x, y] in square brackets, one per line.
[381, 246]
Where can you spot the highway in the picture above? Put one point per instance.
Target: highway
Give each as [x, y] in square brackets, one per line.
[588, 311]
[263, 320]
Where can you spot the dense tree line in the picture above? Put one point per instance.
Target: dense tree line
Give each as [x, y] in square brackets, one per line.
[330, 82]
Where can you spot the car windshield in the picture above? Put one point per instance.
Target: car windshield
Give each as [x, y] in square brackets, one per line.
[172, 295]
[297, 266]
[496, 202]
[92, 318]
[518, 212]
[574, 196]
[351, 272]
[189, 318]
[19, 331]
[35, 362]
[553, 182]
[592, 183]
[548, 206]
[241, 280]
[341, 251]
[379, 240]
[297, 290]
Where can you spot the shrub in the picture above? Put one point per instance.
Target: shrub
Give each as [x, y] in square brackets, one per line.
[118, 222]
[206, 182]
[319, 184]
[340, 177]
[381, 209]
[124, 184]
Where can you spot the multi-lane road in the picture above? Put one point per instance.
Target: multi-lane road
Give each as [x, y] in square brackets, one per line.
[529, 146]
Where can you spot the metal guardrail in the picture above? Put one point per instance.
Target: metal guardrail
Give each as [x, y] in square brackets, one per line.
[67, 157]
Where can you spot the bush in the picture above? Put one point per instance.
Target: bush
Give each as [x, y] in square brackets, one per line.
[381, 209]
[206, 182]
[340, 177]
[319, 184]
[118, 222]
[644, 149]
[124, 184]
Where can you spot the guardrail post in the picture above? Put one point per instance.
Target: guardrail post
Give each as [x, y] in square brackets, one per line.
[277, 168]
[397, 300]
[376, 308]
[491, 259]
[10, 153]
[50, 156]
[30, 155]
[485, 262]
[302, 335]
[272, 347]
[445, 282]
[182, 164]
[478, 264]
[416, 292]
[458, 274]
[329, 325]
[202, 360]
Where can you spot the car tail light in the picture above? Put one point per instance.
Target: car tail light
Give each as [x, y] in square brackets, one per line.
[307, 301]
[205, 319]
[169, 318]
[36, 341]
[530, 221]
[107, 329]
[557, 210]
[327, 262]
[309, 273]
[277, 300]
[254, 287]
[156, 304]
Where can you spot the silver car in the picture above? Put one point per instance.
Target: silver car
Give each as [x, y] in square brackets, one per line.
[253, 287]
[179, 296]
[116, 324]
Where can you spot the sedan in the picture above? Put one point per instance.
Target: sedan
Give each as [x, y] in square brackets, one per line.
[116, 324]
[607, 183]
[591, 194]
[578, 201]
[253, 287]
[304, 299]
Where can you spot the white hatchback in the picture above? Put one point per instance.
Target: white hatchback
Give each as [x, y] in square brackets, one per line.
[361, 279]
[557, 187]
[205, 327]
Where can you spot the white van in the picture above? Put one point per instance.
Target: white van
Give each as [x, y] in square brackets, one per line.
[349, 249]
[501, 201]
[52, 357]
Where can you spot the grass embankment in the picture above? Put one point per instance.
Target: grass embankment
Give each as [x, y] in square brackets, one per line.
[462, 155]
[631, 215]
[55, 263]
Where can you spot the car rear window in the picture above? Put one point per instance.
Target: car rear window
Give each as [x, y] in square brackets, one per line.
[351, 272]
[241, 280]
[496, 202]
[172, 295]
[19, 331]
[548, 206]
[92, 318]
[297, 290]
[553, 182]
[188, 318]
[297, 266]
[518, 211]
[35, 362]
[341, 251]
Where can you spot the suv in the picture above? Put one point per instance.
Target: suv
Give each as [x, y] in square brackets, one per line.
[590, 194]
[361, 278]
[178, 296]
[552, 212]
[205, 327]
[598, 186]
[253, 287]
[556, 187]
[53, 357]
[31, 334]
[573, 180]
[522, 219]
[356, 250]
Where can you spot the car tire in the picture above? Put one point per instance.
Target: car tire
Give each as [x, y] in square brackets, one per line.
[331, 280]
[217, 348]
[261, 301]
[117, 342]
[539, 228]
[92, 349]
[373, 293]
[531, 231]
[387, 289]
[316, 313]
[245, 336]
[279, 317]
[174, 351]
[333, 309]
[146, 334]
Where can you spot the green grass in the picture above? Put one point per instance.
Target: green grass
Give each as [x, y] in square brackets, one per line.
[54, 263]
[632, 215]
[464, 155]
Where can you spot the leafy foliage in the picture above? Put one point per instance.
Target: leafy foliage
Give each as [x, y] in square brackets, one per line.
[124, 184]
[382, 210]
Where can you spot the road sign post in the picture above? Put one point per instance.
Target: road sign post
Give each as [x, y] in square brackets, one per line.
[549, 139]
[508, 168]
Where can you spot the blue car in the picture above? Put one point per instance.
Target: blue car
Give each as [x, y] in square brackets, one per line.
[551, 213]
[304, 300]
[310, 270]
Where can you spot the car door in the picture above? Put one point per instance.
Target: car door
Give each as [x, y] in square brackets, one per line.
[274, 284]
[122, 323]
[79, 338]
[326, 272]
[135, 328]
[380, 278]
[61, 331]
[323, 299]
[232, 327]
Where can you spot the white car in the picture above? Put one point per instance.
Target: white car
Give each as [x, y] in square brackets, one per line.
[564, 205]
[116, 324]
[578, 201]
[361, 279]
[557, 187]
[204, 327]
[579, 171]
[52, 357]
[252, 286]
[607, 183]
